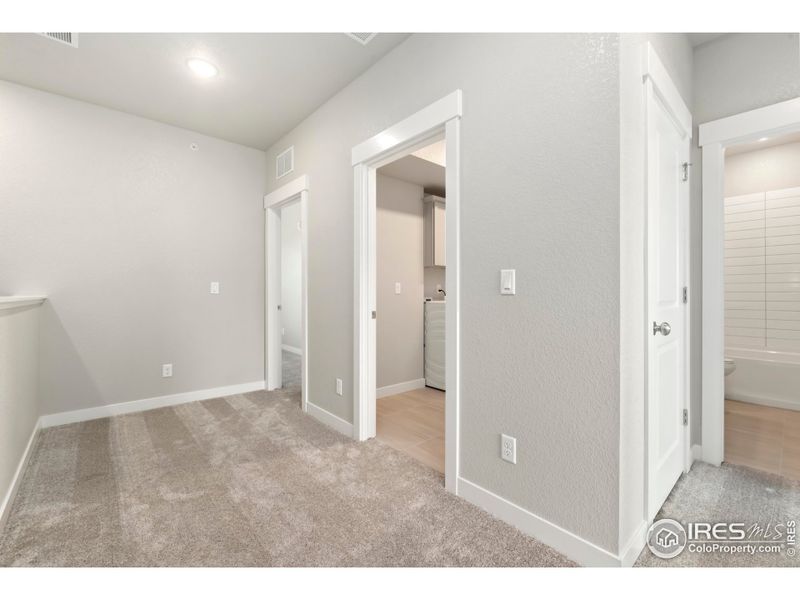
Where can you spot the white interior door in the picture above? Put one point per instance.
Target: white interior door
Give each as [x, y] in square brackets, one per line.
[667, 204]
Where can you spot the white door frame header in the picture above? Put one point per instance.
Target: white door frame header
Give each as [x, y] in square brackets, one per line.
[287, 192]
[775, 119]
[406, 132]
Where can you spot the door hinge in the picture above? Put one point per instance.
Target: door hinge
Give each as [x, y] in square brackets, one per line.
[685, 294]
[374, 314]
[279, 306]
[685, 416]
[685, 167]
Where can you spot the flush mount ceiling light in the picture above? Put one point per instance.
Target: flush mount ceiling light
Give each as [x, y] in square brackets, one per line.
[764, 139]
[202, 68]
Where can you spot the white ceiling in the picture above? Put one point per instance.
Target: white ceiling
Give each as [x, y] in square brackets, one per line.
[789, 138]
[267, 83]
[411, 168]
[696, 39]
[434, 153]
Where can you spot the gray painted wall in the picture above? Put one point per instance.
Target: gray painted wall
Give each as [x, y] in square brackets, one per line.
[732, 74]
[435, 276]
[291, 276]
[743, 71]
[122, 226]
[540, 192]
[399, 260]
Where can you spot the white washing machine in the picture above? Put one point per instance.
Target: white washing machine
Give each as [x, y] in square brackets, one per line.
[434, 343]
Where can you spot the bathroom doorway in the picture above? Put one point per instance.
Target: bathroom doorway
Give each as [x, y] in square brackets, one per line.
[751, 300]
[762, 304]
[286, 335]
[291, 301]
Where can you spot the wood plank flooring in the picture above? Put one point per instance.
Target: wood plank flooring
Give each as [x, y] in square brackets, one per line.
[762, 437]
[413, 422]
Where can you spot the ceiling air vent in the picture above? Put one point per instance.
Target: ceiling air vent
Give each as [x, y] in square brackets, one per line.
[70, 39]
[284, 162]
[361, 38]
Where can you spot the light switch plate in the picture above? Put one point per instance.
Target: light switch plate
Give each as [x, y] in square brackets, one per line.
[339, 386]
[214, 288]
[508, 283]
[398, 288]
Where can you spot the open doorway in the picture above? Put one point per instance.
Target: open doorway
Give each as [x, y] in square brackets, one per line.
[437, 121]
[762, 304]
[286, 356]
[291, 299]
[751, 211]
[411, 272]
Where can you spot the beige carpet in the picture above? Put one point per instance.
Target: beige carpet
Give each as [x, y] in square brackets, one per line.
[729, 494]
[290, 370]
[242, 481]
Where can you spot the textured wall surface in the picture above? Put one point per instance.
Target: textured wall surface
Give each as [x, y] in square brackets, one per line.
[743, 71]
[435, 276]
[291, 276]
[400, 260]
[122, 226]
[540, 193]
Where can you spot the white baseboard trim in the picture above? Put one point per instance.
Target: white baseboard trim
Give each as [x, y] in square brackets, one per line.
[329, 419]
[123, 408]
[399, 388]
[583, 552]
[11, 493]
[292, 349]
[786, 403]
[697, 452]
[631, 551]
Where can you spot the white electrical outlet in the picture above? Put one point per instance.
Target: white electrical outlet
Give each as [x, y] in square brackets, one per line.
[214, 289]
[339, 386]
[166, 370]
[508, 448]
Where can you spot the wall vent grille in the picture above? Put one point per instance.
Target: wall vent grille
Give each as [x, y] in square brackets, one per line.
[70, 39]
[284, 162]
[361, 38]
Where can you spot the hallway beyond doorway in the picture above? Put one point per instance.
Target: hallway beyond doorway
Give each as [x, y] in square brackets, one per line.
[413, 423]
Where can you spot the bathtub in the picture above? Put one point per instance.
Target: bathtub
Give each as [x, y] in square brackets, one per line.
[764, 377]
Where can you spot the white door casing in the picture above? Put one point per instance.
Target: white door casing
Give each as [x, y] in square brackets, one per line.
[668, 138]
